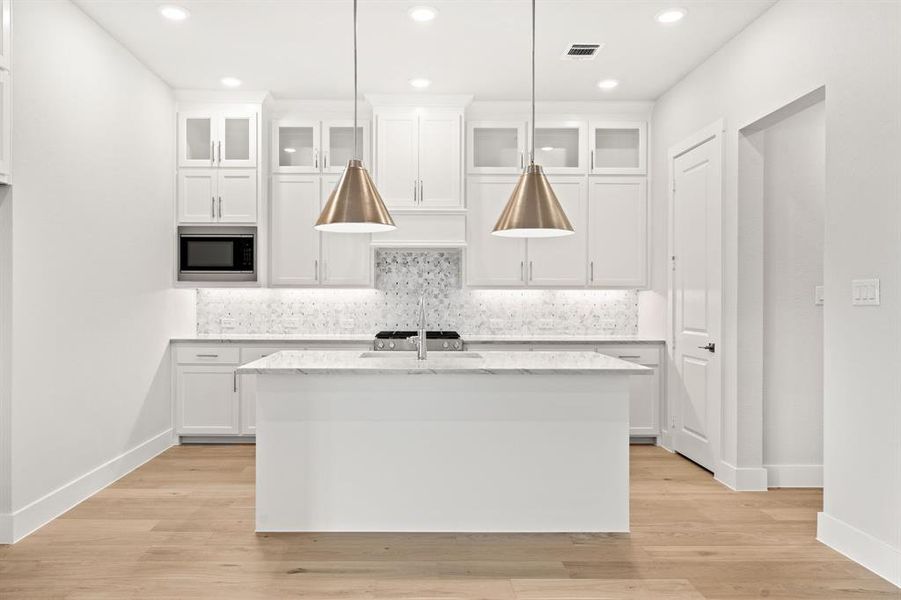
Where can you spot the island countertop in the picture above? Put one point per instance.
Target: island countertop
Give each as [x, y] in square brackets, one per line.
[491, 362]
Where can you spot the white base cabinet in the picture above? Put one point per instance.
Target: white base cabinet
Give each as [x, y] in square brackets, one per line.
[207, 400]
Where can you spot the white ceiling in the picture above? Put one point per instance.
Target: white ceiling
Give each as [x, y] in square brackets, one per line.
[302, 48]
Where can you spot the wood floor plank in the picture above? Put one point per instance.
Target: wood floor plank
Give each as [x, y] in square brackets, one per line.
[181, 526]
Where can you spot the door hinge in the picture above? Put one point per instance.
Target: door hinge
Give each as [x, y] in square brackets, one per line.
[673, 258]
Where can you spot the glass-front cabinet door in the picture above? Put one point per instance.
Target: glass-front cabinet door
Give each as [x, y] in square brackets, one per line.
[618, 148]
[560, 146]
[236, 145]
[295, 147]
[495, 147]
[338, 143]
[196, 139]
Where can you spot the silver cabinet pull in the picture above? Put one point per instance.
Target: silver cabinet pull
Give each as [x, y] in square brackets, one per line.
[629, 356]
[414, 192]
[531, 271]
[220, 207]
[325, 270]
[316, 158]
[212, 207]
[207, 356]
[325, 160]
[220, 152]
[421, 193]
[234, 381]
[521, 160]
[316, 268]
[592, 160]
[522, 272]
[592, 271]
[212, 152]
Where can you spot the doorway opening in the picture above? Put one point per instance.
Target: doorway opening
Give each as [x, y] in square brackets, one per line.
[781, 235]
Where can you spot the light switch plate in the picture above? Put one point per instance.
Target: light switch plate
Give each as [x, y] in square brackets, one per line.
[819, 295]
[865, 292]
[227, 323]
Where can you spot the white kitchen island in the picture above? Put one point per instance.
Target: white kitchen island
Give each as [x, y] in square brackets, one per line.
[489, 441]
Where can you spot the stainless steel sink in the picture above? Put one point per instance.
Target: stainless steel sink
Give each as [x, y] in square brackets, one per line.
[412, 355]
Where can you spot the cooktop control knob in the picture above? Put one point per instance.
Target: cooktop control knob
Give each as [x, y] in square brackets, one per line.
[445, 345]
[380, 344]
[391, 345]
[457, 345]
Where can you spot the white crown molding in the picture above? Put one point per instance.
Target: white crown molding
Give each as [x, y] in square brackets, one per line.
[222, 96]
[433, 100]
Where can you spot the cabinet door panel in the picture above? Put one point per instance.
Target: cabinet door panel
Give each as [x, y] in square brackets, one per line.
[346, 259]
[237, 196]
[560, 147]
[440, 159]
[295, 147]
[496, 147]
[491, 261]
[338, 142]
[294, 242]
[5, 120]
[207, 402]
[196, 139]
[237, 143]
[618, 148]
[561, 262]
[644, 403]
[397, 158]
[197, 191]
[617, 232]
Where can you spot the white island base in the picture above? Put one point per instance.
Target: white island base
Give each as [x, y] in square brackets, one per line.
[442, 451]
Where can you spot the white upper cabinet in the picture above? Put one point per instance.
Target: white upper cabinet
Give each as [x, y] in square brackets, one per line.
[4, 34]
[419, 157]
[618, 148]
[617, 232]
[302, 256]
[4, 127]
[494, 147]
[294, 206]
[338, 144]
[217, 196]
[216, 138]
[560, 147]
[561, 261]
[492, 261]
[312, 146]
[346, 259]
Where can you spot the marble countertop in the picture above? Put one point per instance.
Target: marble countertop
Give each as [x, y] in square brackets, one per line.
[473, 338]
[351, 362]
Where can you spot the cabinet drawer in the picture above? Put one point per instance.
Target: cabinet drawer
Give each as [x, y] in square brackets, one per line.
[644, 355]
[202, 355]
[252, 354]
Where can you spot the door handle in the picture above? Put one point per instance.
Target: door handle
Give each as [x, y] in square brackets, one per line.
[710, 347]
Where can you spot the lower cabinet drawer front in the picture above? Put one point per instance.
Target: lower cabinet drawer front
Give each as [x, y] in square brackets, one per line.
[252, 354]
[643, 355]
[207, 355]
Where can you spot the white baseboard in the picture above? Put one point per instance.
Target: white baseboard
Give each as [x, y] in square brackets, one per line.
[874, 554]
[32, 517]
[741, 479]
[794, 476]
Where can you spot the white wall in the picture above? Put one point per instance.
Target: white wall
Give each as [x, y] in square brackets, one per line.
[794, 173]
[93, 241]
[853, 48]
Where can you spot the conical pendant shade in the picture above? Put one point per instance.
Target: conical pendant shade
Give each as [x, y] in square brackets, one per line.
[533, 209]
[355, 205]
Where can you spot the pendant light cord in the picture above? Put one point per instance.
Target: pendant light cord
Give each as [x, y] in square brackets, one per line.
[355, 81]
[532, 153]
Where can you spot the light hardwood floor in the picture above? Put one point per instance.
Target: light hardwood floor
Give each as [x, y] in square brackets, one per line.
[181, 526]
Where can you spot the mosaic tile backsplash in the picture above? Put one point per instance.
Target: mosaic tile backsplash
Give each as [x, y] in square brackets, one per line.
[401, 275]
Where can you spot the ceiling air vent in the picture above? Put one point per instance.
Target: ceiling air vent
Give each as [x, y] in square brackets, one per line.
[582, 52]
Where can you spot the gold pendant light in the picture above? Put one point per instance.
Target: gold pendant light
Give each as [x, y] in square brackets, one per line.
[533, 209]
[355, 206]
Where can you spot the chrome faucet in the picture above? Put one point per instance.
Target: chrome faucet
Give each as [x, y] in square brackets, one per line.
[420, 338]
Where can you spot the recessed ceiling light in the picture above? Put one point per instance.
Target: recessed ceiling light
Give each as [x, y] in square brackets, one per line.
[421, 14]
[174, 13]
[230, 81]
[547, 148]
[290, 150]
[420, 83]
[608, 84]
[670, 15]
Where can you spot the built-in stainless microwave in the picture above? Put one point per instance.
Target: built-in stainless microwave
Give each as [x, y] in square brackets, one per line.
[217, 254]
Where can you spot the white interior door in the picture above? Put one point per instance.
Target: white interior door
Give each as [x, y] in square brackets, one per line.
[237, 196]
[397, 158]
[697, 293]
[440, 167]
[197, 195]
[294, 242]
[345, 256]
[560, 262]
